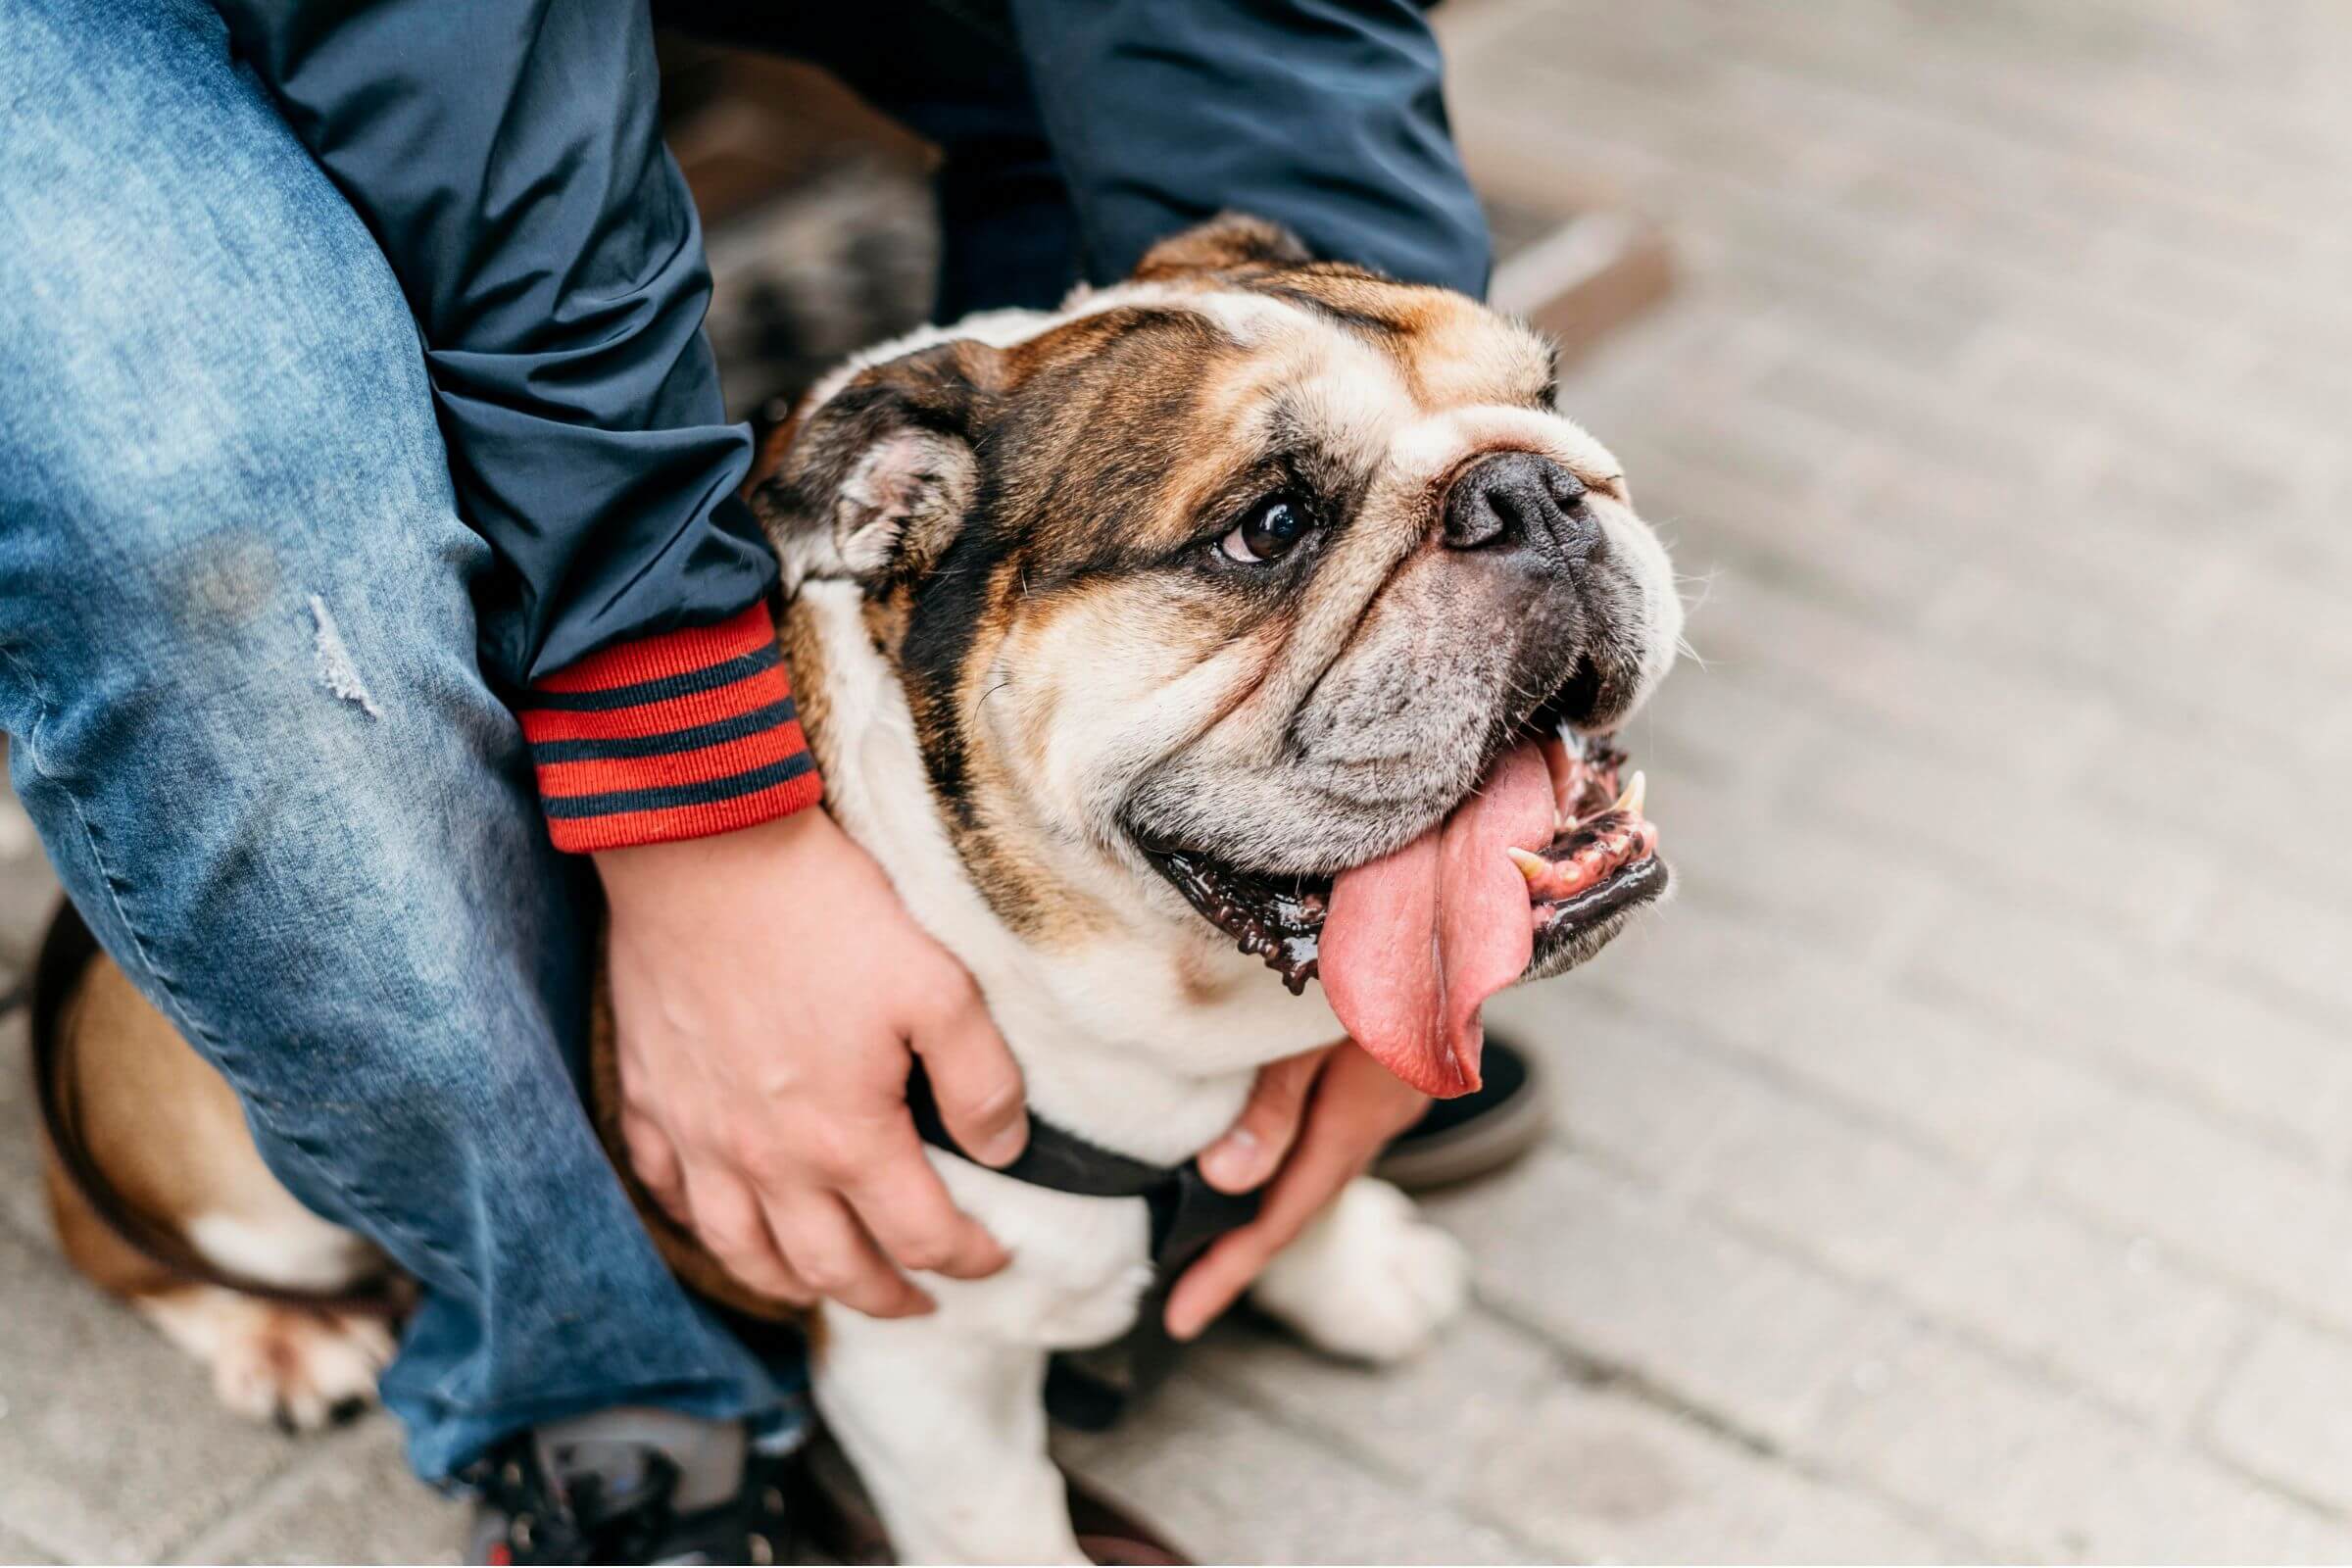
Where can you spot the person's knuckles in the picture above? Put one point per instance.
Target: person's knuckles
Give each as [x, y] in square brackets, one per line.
[731, 1236]
[847, 1152]
[770, 1164]
[755, 1267]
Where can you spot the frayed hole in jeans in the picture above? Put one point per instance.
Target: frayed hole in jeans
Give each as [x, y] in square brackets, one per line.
[335, 667]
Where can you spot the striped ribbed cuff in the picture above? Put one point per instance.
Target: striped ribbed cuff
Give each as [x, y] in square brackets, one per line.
[675, 736]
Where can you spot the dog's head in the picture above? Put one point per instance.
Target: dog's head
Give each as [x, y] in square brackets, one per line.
[1258, 594]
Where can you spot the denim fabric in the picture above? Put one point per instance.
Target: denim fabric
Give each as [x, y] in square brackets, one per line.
[238, 664]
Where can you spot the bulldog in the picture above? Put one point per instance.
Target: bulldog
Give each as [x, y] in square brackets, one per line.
[1255, 614]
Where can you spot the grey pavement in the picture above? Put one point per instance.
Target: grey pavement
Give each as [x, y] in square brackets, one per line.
[1962, 1165]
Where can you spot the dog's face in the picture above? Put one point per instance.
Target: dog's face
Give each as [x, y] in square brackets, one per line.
[1263, 594]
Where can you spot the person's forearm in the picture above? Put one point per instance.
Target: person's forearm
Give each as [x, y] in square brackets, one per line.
[506, 154]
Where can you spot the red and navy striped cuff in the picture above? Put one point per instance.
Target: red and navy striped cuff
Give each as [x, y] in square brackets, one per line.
[675, 736]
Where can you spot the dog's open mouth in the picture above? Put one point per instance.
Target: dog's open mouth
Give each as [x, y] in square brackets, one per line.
[1532, 872]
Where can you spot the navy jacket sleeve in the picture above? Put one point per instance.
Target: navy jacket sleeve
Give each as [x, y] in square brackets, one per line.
[506, 154]
[1327, 115]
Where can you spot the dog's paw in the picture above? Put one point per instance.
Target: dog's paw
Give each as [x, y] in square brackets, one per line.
[1370, 1279]
[294, 1366]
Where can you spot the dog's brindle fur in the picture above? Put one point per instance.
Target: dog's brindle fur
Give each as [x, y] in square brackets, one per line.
[1018, 653]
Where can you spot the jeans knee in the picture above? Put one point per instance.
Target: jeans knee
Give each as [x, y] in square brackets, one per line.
[198, 335]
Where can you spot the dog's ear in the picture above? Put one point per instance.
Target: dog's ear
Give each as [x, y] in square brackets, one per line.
[1228, 244]
[874, 483]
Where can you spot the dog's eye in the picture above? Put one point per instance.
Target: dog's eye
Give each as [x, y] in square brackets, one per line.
[1273, 527]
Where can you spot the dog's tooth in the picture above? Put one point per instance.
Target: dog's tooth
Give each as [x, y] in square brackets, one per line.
[1530, 865]
[1631, 800]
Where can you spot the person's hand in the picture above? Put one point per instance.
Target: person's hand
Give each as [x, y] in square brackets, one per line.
[1341, 1107]
[767, 987]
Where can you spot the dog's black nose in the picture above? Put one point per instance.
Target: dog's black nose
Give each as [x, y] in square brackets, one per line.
[1520, 500]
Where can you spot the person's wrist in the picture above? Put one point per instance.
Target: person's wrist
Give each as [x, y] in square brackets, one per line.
[628, 869]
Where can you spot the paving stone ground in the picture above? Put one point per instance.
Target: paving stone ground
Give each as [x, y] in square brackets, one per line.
[1962, 1166]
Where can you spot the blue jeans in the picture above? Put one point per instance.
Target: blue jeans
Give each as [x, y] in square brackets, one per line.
[237, 665]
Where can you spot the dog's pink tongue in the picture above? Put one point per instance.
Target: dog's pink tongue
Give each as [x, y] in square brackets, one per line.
[1416, 941]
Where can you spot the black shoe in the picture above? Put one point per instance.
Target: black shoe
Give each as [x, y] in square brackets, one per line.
[1475, 1134]
[631, 1486]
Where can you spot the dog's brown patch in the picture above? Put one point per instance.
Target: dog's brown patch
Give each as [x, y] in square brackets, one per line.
[163, 1126]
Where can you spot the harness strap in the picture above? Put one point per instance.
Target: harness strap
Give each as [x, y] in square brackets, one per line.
[66, 951]
[1188, 1214]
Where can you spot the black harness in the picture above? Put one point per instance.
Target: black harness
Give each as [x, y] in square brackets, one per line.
[1089, 1389]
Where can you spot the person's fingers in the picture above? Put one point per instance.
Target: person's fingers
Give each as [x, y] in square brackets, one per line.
[1370, 1100]
[1351, 1114]
[1225, 1270]
[1251, 1151]
[727, 1221]
[655, 1159]
[832, 1251]
[973, 1076]
[906, 1210]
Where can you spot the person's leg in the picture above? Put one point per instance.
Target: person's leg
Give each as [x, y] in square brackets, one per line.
[237, 665]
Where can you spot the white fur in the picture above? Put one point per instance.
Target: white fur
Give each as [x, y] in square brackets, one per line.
[1370, 1279]
[287, 1245]
[270, 1361]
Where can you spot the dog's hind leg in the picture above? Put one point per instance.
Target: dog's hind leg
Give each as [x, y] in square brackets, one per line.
[1370, 1279]
[948, 1430]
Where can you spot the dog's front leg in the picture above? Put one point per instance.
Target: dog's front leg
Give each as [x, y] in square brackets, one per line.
[1370, 1279]
[948, 1429]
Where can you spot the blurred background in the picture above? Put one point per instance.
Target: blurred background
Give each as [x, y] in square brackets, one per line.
[1962, 1166]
